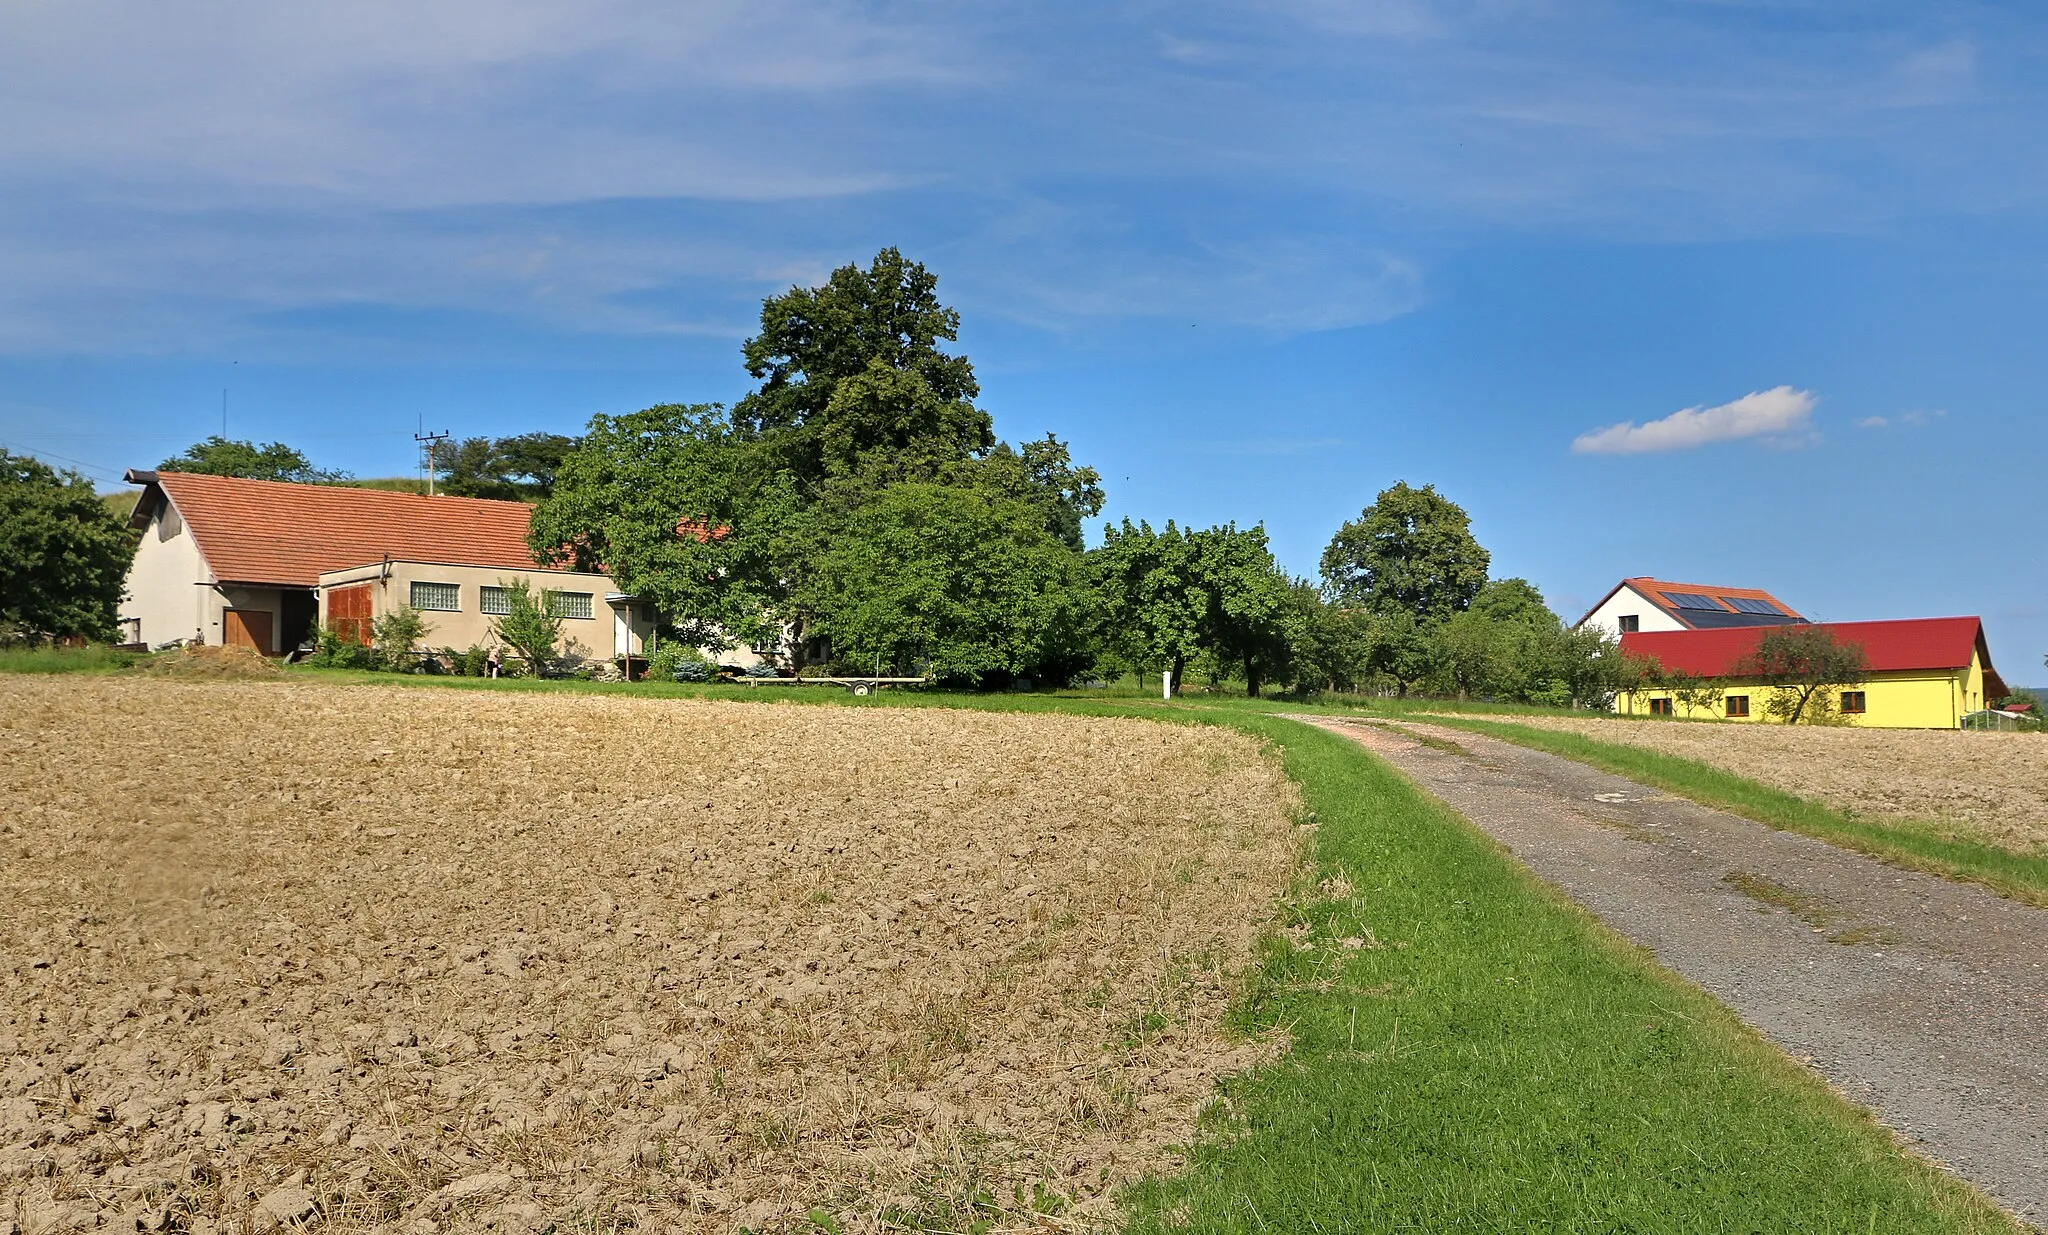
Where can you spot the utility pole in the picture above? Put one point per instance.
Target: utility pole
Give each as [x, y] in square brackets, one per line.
[428, 441]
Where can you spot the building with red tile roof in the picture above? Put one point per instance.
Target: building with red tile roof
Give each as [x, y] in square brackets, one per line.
[256, 563]
[1922, 673]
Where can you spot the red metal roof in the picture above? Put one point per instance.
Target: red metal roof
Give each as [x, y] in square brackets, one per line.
[1888, 647]
[261, 531]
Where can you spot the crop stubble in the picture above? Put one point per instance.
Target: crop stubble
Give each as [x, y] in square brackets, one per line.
[1989, 787]
[363, 956]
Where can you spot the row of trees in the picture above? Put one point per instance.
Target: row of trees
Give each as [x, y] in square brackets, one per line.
[857, 506]
[520, 468]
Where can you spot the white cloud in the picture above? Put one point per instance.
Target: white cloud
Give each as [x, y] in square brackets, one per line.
[1778, 413]
[1872, 422]
[1917, 418]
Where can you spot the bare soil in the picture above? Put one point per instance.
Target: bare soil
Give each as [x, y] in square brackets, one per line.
[1991, 787]
[368, 957]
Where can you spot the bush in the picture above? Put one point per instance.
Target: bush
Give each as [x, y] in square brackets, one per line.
[676, 661]
[473, 663]
[331, 651]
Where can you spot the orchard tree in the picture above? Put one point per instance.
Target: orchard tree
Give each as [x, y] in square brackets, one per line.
[219, 456]
[1411, 551]
[1804, 666]
[1154, 604]
[1246, 622]
[63, 555]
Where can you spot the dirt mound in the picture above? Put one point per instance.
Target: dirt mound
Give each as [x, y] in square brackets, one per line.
[427, 960]
[202, 661]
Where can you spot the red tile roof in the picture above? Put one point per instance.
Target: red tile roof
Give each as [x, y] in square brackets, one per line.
[260, 531]
[1654, 590]
[1888, 647]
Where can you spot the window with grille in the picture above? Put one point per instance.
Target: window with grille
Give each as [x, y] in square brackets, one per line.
[571, 604]
[495, 600]
[444, 597]
[1852, 702]
[1660, 707]
[1738, 705]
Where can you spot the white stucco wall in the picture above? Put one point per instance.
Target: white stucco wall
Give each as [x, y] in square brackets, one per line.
[1607, 617]
[166, 587]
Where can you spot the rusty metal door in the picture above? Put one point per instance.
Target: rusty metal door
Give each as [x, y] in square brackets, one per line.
[348, 613]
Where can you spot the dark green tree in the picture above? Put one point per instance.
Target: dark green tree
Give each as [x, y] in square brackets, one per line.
[515, 469]
[1154, 605]
[1331, 647]
[1246, 618]
[219, 456]
[853, 381]
[1411, 550]
[63, 555]
[962, 584]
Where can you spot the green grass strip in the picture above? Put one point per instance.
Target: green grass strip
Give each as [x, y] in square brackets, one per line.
[1493, 1059]
[1916, 846]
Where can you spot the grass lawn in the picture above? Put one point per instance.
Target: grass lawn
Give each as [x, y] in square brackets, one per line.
[2022, 877]
[1470, 1051]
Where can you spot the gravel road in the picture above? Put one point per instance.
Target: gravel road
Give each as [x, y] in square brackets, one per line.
[1924, 1000]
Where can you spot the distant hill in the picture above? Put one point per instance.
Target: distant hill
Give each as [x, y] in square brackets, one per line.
[394, 484]
[122, 504]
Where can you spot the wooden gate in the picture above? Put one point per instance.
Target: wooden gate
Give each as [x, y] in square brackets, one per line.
[246, 628]
[348, 613]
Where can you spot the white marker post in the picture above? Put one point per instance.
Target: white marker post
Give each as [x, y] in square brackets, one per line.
[1166, 685]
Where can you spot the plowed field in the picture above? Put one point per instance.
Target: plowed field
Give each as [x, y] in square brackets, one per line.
[366, 957]
[1991, 787]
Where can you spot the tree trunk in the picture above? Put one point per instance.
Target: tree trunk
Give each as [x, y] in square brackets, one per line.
[1251, 677]
[1180, 666]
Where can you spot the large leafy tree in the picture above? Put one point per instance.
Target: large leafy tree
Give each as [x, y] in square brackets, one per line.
[746, 524]
[63, 554]
[854, 383]
[671, 502]
[1172, 595]
[518, 468]
[961, 583]
[220, 456]
[1411, 550]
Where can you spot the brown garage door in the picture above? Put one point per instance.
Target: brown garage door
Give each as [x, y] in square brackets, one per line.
[348, 613]
[247, 628]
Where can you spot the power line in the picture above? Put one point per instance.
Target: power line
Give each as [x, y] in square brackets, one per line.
[428, 441]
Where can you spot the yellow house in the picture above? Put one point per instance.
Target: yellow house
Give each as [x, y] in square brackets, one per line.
[1924, 673]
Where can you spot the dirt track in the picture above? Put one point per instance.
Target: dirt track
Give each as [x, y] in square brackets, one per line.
[1991, 787]
[371, 956]
[1925, 1000]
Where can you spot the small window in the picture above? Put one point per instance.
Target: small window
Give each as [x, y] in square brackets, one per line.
[442, 597]
[1660, 707]
[1631, 623]
[1738, 706]
[572, 604]
[496, 601]
[1852, 703]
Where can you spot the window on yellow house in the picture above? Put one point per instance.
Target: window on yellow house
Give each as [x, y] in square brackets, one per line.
[1738, 706]
[1852, 703]
[1660, 707]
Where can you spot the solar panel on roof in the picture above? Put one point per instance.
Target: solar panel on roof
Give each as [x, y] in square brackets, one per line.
[1692, 600]
[1746, 604]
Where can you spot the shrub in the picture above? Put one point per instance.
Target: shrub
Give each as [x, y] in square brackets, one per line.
[332, 651]
[529, 626]
[679, 662]
[395, 633]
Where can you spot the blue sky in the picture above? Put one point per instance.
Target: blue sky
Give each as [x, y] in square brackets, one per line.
[1255, 261]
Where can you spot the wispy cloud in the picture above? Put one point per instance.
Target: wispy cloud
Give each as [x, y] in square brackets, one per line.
[1917, 418]
[1780, 414]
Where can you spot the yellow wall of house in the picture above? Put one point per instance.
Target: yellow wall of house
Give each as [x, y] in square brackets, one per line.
[1915, 700]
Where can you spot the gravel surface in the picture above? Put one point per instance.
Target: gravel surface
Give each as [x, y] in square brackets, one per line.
[1924, 1000]
[385, 958]
[1988, 787]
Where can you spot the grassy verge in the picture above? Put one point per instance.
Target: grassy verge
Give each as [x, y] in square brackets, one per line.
[95, 659]
[2018, 876]
[1473, 1053]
